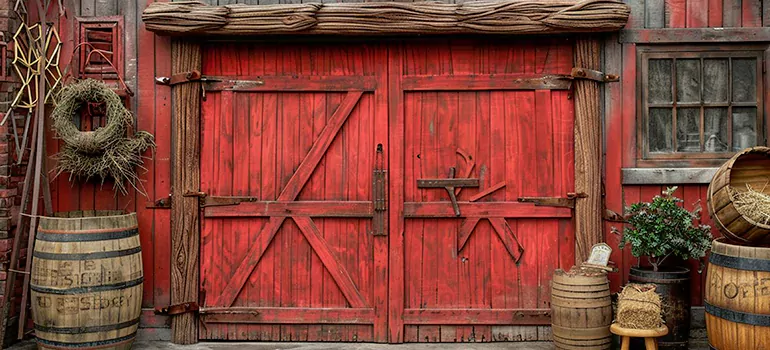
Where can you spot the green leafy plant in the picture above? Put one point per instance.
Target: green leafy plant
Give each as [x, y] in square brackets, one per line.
[662, 228]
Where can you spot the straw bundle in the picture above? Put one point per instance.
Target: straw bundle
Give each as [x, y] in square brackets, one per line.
[752, 204]
[639, 307]
[509, 17]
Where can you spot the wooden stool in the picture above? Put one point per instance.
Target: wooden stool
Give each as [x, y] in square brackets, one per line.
[649, 336]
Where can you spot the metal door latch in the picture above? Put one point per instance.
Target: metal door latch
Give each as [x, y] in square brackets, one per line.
[563, 202]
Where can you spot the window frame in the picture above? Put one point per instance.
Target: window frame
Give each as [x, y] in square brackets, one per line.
[645, 158]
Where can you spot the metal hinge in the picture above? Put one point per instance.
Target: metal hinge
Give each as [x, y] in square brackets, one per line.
[214, 201]
[162, 203]
[595, 75]
[562, 202]
[186, 77]
[177, 309]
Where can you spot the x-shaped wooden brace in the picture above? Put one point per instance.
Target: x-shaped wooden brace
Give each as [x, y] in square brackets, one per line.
[501, 227]
[305, 224]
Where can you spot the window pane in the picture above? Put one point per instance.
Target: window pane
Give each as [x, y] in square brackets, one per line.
[744, 80]
[688, 130]
[660, 81]
[660, 130]
[715, 129]
[715, 80]
[688, 80]
[744, 128]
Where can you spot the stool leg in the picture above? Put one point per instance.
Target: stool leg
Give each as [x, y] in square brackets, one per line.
[625, 343]
[651, 343]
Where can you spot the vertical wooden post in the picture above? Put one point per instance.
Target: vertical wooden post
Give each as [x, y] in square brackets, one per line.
[588, 151]
[185, 230]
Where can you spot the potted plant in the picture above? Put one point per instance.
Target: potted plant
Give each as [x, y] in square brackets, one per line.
[664, 232]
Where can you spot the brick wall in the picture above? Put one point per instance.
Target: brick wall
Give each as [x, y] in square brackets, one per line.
[10, 182]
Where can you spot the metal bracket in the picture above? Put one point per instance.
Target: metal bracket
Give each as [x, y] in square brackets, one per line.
[590, 74]
[562, 202]
[225, 201]
[379, 195]
[163, 203]
[186, 77]
[449, 185]
[177, 309]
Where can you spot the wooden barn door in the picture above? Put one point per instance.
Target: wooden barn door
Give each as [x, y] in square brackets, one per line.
[294, 144]
[481, 122]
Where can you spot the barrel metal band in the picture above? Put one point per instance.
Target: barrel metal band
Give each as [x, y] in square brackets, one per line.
[93, 329]
[660, 280]
[92, 289]
[737, 316]
[711, 347]
[80, 237]
[86, 345]
[86, 256]
[746, 264]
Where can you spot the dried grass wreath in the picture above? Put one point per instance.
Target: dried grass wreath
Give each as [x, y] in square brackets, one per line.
[106, 152]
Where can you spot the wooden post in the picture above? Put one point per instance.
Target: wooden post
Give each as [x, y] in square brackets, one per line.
[588, 151]
[185, 229]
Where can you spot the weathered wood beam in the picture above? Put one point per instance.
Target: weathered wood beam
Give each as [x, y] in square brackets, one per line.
[670, 176]
[588, 151]
[185, 230]
[695, 35]
[385, 17]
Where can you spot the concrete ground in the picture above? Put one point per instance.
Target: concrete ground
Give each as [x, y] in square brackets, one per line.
[160, 345]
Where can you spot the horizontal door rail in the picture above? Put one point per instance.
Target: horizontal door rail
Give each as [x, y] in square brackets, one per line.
[483, 209]
[277, 83]
[329, 209]
[478, 316]
[287, 315]
[486, 82]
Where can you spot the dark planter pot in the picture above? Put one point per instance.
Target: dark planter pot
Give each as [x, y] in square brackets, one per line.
[673, 286]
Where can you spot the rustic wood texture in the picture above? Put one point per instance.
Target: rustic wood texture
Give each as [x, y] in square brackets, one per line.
[85, 256]
[496, 129]
[740, 288]
[294, 150]
[697, 13]
[498, 17]
[581, 311]
[185, 231]
[588, 152]
[747, 168]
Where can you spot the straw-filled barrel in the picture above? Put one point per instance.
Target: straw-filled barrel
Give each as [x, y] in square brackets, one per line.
[742, 221]
[86, 281]
[581, 311]
[737, 297]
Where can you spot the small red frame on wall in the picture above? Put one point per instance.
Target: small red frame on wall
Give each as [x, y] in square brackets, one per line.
[105, 34]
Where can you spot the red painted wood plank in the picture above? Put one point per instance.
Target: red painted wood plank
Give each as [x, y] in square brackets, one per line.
[546, 184]
[396, 169]
[676, 11]
[289, 192]
[751, 13]
[242, 83]
[613, 159]
[715, 13]
[352, 209]
[628, 143]
[483, 209]
[697, 13]
[478, 316]
[691, 196]
[380, 251]
[288, 315]
[466, 228]
[508, 237]
[485, 82]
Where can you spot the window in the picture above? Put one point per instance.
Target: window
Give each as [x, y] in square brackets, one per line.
[701, 105]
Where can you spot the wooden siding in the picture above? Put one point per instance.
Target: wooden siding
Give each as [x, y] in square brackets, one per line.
[620, 110]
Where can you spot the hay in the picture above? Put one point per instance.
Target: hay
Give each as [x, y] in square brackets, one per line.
[752, 204]
[639, 307]
[105, 153]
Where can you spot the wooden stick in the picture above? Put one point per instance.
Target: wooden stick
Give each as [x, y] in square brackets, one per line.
[488, 191]
[38, 164]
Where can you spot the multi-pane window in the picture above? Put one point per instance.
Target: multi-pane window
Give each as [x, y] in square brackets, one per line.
[700, 104]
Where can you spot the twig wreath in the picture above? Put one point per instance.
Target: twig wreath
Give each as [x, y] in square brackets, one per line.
[106, 152]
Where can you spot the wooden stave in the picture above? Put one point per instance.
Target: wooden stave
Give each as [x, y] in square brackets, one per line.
[85, 327]
[726, 334]
[599, 308]
[726, 217]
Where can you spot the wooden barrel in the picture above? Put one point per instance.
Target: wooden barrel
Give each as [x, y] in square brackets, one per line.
[738, 297]
[581, 311]
[749, 167]
[672, 283]
[86, 281]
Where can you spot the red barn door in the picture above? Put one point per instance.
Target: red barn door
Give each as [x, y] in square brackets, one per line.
[291, 139]
[482, 115]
